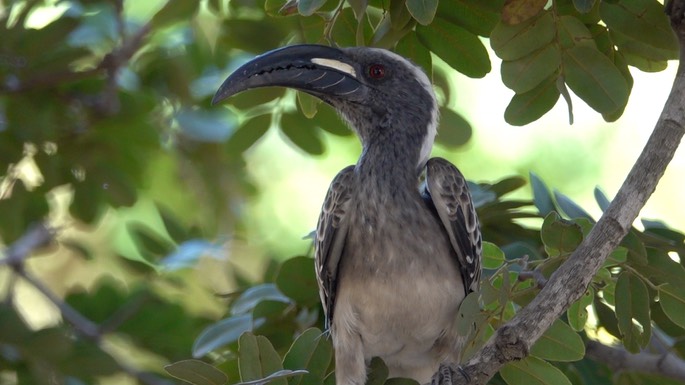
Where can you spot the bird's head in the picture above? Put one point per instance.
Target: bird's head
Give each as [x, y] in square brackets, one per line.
[381, 94]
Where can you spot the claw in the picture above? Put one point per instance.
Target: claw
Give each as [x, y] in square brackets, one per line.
[446, 373]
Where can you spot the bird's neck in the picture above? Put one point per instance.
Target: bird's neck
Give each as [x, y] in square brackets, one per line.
[390, 160]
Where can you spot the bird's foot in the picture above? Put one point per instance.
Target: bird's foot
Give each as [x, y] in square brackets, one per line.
[446, 373]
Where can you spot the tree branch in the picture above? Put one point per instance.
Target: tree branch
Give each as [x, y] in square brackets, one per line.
[618, 359]
[514, 340]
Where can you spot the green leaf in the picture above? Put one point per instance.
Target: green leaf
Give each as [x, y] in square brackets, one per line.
[584, 6]
[175, 11]
[519, 11]
[641, 20]
[328, 120]
[572, 32]
[606, 317]
[297, 280]
[196, 372]
[570, 208]
[469, 314]
[541, 195]
[477, 16]
[273, 377]
[255, 294]
[530, 106]
[577, 313]
[257, 358]
[524, 74]
[248, 134]
[399, 15]
[307, 104]
[454, 131]
[308, 7]
[559, 343]
[302, 132]
[377, 372]
[672, 301]
[533, 371]
[410, 47]
[459, 48]
[512, 42]
[312, 351]
[633, 305]
[223, 333]
[423, 10]
[493, 256]
[560, 237]
[595, 79]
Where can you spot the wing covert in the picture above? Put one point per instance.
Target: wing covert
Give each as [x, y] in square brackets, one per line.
[449, 192]
[331, 233]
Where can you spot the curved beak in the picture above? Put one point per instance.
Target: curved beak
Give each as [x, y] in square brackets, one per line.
[322, 71]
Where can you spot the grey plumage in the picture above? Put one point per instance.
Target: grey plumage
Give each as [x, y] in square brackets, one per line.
[394, 258]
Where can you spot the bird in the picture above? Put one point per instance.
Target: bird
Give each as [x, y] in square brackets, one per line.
[398, 242]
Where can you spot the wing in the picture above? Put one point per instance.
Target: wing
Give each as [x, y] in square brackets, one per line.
[331, 232]
[449, 193]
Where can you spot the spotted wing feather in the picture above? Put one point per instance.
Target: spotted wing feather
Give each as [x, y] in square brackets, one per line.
[449, 192]
[331, 232]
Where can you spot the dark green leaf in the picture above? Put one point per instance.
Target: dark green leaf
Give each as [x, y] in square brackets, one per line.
[459, 48]
[584, 6]
[328, 120]
[423, 10]
[512, 42]
[308, 7]
[524, 74]
[493, 256]
[410, 47]
[595, 79]
[174, 11]
[570, 208]
[641, 20]
[257, 358]
[196, 372]
[248, 134]
[561, 237]
[519, 11]
[632, 305]
[529, 106]
[312, 351]
[302, 132]
[297, 280]
[577, 313]
[541, 196]
[454, 130]
[377, 372]
[572, 32]
[601, 199]
[672, 301]
[222, 333]
[559, 343]
[533, 371]
[477, 16]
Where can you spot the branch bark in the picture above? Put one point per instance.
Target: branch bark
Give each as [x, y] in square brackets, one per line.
[618, 359]
[514, 340]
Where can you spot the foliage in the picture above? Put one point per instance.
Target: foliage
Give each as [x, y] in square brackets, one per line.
[100, 110]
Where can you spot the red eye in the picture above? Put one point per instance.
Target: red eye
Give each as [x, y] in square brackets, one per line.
[377, 71]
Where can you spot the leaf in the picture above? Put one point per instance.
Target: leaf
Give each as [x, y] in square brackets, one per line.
[280, 374]
[307, 104]
[328, 120]
[454, 131]
[459, 48]
[632, 304]
[248, 134]
[493, 256]
[533, 371]
[577, 313]
[476, 16]
[207, 126]
[561, 237]
[255, 294]
[196, 372]
[512, 42]
[524, 74]
[423, 10]
[297, 280]
[602, 201]
[223, 333]
[302, 133]
[571, 208]
[175, 11]
[572, 32]
[410, 47]
[257, 358]
[188, 253]
[530, 106]
[559, 343]
[541, 195]
[595, 79]
[518, 11]
[308, 7]
[642, 20]
[584, 6]
[672, 301]
[377, 372]
[313, 351]
[469, 314]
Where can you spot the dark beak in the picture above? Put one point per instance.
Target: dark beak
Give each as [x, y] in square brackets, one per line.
[322, 71]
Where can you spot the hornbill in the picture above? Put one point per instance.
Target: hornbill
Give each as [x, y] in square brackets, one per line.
[395, 256]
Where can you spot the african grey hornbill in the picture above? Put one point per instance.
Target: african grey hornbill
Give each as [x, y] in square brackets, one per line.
[394, 257]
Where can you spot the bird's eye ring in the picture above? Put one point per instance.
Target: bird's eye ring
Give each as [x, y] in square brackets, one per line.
[377, 71]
